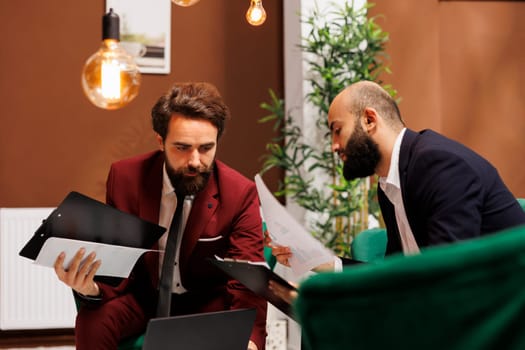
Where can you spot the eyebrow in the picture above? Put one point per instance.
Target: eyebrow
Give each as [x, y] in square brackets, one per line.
[207, 144]
[178, 143]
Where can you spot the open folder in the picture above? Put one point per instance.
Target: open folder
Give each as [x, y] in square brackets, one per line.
[256, 277]
[80, 221]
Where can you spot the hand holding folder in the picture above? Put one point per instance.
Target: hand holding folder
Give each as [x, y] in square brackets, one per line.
[118, 238]
[256, 277]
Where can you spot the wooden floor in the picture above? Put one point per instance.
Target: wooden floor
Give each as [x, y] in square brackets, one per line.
[37, 338]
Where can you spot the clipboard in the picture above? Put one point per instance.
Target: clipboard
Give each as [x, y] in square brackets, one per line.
[256, 277]
[82, 218]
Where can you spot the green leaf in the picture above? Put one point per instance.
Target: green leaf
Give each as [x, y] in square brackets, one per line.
[336, 57]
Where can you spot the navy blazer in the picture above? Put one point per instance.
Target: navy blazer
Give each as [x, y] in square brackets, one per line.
[449, 193]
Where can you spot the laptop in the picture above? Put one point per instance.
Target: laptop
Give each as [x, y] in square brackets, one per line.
[82, 218]
[223, 330]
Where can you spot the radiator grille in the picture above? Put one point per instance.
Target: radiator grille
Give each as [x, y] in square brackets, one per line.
[31, 296]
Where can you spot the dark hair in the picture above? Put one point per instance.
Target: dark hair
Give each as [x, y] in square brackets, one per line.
[192, 100]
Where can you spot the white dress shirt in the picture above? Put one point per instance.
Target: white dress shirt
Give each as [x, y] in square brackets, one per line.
[168, 204]
[391, 185]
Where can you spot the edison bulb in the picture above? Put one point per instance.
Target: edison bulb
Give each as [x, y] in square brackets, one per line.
[185, 3]
[110, 77]
[256, 15]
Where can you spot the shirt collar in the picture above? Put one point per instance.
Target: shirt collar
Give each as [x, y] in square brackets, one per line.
[167, 187]
[393, 171]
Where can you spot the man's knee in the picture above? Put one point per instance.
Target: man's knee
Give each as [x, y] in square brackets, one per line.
[103, 327]
[96, 328]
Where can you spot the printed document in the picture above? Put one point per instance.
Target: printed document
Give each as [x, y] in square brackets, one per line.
[307, 252]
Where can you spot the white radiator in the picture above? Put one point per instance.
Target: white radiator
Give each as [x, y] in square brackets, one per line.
[31, 296]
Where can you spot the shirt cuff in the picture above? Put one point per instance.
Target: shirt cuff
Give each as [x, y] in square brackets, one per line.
[338, 264]
[89, 298]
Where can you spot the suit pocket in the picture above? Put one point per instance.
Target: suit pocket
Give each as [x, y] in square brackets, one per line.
[210, 239]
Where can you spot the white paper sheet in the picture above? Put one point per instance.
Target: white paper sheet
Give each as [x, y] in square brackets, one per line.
[307, 252]
[117, 261]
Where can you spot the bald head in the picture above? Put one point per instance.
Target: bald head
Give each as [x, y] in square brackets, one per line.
[367, 94]
[364, 124]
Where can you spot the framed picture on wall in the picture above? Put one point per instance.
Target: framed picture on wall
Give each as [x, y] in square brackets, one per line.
[145, 28]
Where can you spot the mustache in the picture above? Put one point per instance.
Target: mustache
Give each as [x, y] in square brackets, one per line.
[194, 170]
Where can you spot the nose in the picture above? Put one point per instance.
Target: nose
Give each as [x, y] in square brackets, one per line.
[195, 159]
[335, 146]
[338, 149]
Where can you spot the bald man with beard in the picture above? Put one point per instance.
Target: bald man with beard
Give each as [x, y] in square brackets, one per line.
[432, 190]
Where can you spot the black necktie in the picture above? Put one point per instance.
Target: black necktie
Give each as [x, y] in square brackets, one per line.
[168, 264]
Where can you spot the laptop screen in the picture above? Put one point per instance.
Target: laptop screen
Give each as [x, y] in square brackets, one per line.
[224, 330]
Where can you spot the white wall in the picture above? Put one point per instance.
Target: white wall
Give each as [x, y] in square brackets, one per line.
[295, 90]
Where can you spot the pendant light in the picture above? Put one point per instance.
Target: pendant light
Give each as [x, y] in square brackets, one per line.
[185, 3]
[110, 77]
[256, 15]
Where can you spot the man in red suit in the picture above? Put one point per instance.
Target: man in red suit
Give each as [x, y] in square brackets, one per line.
[221, 218]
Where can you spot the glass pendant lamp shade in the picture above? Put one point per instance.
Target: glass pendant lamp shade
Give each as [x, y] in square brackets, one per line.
[185, 3]
[256, 15]
[110, 78]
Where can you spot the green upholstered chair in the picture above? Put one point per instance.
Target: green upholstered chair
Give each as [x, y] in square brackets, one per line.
[369, 245]
[133, 343]
[521, 201]
[467, 295]
[270, 259]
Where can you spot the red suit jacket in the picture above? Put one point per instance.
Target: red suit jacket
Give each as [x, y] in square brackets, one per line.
[224, 221]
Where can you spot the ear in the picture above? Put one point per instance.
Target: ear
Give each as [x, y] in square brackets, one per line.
[160, 141]
[370, 119]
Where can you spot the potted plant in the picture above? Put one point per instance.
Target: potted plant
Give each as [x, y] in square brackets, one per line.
[348, 48]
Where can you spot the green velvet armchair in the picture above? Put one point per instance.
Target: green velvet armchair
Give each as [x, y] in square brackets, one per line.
[369, 245]
[467, 295]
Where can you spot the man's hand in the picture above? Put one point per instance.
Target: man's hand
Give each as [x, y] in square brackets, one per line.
[284, 293]
[329, 266]
[79, 274]
[281, 253]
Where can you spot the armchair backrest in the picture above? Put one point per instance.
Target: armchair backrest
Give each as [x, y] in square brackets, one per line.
[369, 245]
[467, 295]
[521, 201]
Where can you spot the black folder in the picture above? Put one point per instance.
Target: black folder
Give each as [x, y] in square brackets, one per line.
[256, 277]
[85, 219]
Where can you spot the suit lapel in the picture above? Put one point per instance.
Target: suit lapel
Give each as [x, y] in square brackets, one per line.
[151, 190]
[409, 142]
[149, 207]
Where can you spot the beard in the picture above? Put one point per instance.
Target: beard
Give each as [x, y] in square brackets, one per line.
[362, 155]
[188, 185]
